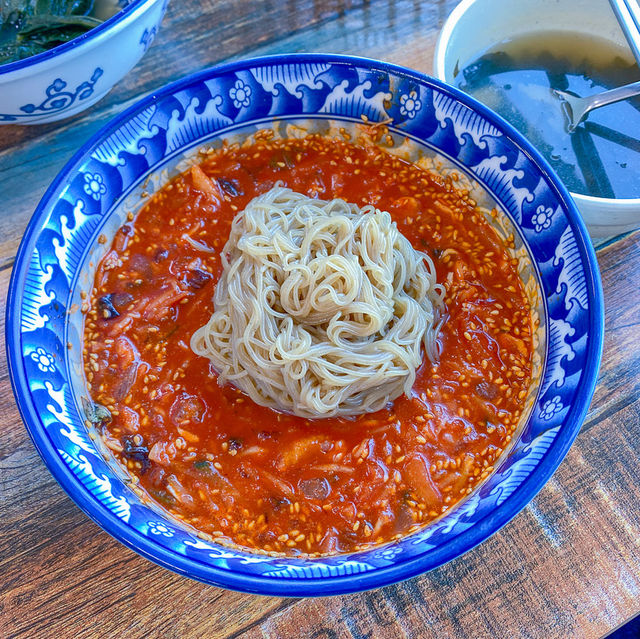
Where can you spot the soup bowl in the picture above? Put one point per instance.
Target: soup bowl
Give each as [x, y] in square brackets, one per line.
[132, 156]
[69, 78]
[477, 25]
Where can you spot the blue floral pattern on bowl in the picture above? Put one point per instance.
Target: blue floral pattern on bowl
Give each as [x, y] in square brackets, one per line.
[542, 218]
[45, 362]
[94, 185]
[409, 104]
[80, 205]
[551, 408]
[240, 93]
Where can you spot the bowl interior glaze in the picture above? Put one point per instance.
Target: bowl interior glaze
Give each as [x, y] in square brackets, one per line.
[159, 136]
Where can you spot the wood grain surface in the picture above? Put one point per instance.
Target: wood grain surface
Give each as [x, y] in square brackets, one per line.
[567, 567]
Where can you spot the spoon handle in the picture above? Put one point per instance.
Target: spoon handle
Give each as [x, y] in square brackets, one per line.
[628, 14]
[613, 95]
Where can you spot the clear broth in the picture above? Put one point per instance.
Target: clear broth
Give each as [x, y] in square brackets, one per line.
[514, 78]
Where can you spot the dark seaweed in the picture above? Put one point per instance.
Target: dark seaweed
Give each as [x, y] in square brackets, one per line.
[106, 307]
[136, 453]
[197, 278]
[29, 27]
[229, 187]
[161, 254]
[278, 502]
[97, 414]
[235, 444]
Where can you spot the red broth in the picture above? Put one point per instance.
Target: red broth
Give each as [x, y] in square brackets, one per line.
[266, 480]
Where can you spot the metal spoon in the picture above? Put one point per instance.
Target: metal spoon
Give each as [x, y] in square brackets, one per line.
[576, 108]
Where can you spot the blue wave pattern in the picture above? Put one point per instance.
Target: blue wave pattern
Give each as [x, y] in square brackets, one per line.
[339, 90]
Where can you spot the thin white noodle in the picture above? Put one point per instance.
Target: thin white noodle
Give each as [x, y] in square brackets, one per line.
[199, 246]
[322, 307]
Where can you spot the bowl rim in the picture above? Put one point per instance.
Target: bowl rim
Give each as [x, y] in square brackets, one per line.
[438, 69]
[377, 577]
[92, 34]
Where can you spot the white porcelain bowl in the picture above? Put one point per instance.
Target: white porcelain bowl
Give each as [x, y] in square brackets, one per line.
[476, 25]
[65, 80]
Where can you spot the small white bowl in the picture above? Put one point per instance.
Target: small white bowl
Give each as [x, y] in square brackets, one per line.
[476, 25]
[65, 80]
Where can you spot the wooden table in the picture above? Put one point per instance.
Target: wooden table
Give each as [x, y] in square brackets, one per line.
[567, 566]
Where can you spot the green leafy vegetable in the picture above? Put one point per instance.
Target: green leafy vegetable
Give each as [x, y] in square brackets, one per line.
[29, 27]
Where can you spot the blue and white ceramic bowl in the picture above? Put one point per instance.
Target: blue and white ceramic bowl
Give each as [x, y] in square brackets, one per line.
[65, 80]
[149, 142]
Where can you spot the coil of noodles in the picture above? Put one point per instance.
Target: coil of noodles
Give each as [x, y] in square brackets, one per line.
[323, 308]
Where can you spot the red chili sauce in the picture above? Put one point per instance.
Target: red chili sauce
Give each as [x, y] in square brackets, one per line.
[262, 479]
